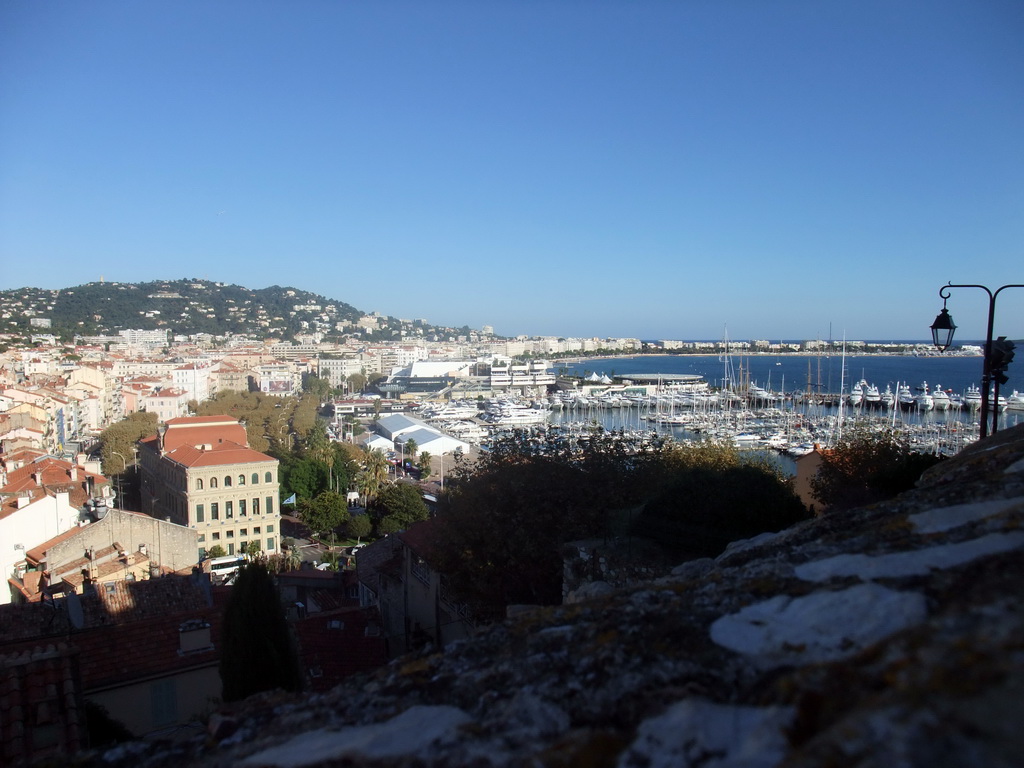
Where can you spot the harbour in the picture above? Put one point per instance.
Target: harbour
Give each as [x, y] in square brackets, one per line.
[783, 404]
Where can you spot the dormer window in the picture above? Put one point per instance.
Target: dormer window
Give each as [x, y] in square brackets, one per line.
[227, 481]
[199, 484]
[241, 479]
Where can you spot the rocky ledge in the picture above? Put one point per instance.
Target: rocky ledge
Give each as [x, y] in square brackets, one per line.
[891, 635]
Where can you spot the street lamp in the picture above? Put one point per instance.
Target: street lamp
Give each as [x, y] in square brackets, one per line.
[942, 336]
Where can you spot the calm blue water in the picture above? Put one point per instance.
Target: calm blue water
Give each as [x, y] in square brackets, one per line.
[792, 373]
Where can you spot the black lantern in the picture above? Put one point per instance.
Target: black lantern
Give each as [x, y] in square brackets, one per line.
[943, 329]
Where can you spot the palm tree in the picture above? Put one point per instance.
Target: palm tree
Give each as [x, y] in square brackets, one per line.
[411, 448]
[373, 474]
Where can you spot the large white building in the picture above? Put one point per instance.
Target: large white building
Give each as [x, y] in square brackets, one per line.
[200, 472]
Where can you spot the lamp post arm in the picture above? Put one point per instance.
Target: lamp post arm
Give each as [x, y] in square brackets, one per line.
[986, 371]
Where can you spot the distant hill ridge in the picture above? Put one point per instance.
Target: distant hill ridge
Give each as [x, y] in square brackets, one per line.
[186, 306]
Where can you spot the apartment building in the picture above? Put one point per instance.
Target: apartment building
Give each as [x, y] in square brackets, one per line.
[200, 472]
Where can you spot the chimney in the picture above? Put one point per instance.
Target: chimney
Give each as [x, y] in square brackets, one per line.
[24, 501]
[73, 473]
[37, 478]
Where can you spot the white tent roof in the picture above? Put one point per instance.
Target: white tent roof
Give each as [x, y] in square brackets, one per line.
[380, 443]
[434, 442]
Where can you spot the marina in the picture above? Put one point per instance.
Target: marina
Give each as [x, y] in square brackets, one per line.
[756, 403]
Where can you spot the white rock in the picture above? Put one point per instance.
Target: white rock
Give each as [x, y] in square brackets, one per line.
[411, 733]
[947, 518]
[702, 733]
[915, 562]
[821, 626]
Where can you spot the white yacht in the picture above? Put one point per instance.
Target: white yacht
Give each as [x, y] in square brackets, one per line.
[856, 395]
[940, 399]
[871, 394]
[905, 397]
[888, 399]
[924, 401]
[972, 397]
[1015, 402]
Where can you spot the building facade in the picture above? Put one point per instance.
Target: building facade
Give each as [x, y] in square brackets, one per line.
[199, 472]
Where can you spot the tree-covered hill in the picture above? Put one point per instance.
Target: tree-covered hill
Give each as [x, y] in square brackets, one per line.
[181, 306]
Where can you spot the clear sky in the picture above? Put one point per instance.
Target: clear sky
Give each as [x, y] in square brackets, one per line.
[656, 169]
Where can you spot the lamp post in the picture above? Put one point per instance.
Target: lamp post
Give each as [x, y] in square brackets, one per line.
[942, 336]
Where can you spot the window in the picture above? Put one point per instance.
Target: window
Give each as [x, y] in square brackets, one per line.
[164, 700]
[202, 553]
[255, 478]
[241, 479]
[268, 477]
[270, 545]
[241, 546]
[202, 537]
[270, 529]
[215, 511]
[200, 514]
[243, 532]
[216, 535]
[227, 481]
[213, 482]
[229, 510]
[230, 534]
[231, 549]
[270, 505]
[241, 507]
[256, 531]
[255, 506]
[199, 484]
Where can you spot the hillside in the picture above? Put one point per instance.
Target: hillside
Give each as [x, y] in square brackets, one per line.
[184, 307]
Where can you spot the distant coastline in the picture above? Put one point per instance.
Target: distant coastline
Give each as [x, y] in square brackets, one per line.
[584, 358]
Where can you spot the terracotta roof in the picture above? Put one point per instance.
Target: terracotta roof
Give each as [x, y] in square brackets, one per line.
[203, 430]
[220, 454]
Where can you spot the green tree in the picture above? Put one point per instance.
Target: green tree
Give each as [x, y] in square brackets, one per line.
[117, 442]
[258, 652]
[424, 465]
[397, 506]
[358, 527]
[865, 468]
[702, 509]
[356, 382]
[216, 551]
[411, 449]
[316, 386]
[325, 512]
[303, 477]
[373, 474]
[252, 548]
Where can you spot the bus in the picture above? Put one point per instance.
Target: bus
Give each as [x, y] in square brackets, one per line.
[226, 568]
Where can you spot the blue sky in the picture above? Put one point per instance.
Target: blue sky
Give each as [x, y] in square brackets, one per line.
[650, 169]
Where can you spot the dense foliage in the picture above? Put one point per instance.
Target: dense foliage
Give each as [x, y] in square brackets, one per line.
[397, 506]
[713, 497]
[502, 525]
[867, 467]
[324, 512]
[117, 442]
[258, 652]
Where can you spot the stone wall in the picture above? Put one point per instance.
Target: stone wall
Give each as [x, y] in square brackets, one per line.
[169, 545]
